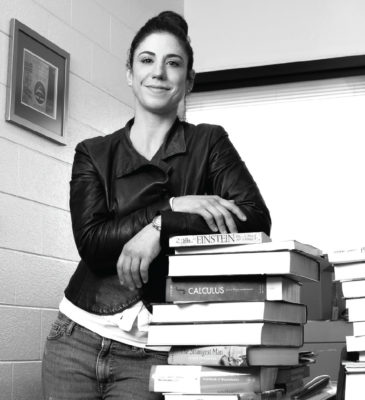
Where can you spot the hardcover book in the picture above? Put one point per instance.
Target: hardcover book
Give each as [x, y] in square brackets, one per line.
[345, 272]
[271, 311]
[275, 394]
[233, 356]
[200, 380]
[356, 254]
[288, 263]
[238, 333]
[232, 288]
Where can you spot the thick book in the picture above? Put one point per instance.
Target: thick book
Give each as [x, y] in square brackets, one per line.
[275, 394]
[351, 289]
[356, 254]
[232, 288]
[358, 329]
[218, 239]
[203, 380]
[355, 343]
[283, 245]
[233, 356]
[290, 263]
[271, 311]
[238, 333]
[356, 309]
[344, 272]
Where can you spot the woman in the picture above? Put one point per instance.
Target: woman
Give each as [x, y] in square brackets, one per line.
[130, 191]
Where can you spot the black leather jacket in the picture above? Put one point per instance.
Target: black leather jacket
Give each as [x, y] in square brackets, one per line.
[115, 192]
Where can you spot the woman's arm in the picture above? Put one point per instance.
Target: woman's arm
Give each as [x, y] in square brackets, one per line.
[100, 234]
[229, 181]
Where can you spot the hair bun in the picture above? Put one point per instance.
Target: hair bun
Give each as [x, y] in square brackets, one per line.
[175, 19]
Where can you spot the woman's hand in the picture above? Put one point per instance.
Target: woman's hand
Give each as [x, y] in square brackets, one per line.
[216, 211]
[136, 257]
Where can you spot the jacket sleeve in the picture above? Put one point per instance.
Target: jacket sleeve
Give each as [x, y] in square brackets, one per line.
[99, 232]
[228, 178]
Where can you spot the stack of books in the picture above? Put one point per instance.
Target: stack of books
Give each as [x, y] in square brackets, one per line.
[232, 316]
[349, 269]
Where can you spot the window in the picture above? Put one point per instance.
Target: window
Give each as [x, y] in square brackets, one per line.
[304, 143]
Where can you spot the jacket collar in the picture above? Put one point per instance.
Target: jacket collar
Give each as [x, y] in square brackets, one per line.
[129, 160]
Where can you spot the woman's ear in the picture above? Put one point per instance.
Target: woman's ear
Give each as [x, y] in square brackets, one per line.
[129, 76]
[190, 81]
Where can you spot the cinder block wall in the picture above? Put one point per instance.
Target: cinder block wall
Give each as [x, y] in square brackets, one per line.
[37, 253]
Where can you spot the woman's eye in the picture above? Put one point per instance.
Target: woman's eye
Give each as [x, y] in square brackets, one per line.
[146, 60]
[173, 63]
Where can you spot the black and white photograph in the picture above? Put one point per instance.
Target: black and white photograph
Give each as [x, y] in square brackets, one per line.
[182, 200]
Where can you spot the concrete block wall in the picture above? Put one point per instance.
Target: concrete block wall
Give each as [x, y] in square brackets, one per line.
[37, 253]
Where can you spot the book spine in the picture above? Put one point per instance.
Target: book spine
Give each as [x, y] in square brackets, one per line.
[233, 356]
[214, 291]
[218, 239]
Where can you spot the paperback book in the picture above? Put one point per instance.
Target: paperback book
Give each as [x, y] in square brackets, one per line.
[275, 394]
[203, 380]
[218, 239]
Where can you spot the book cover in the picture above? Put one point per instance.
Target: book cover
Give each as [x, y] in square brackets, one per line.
[218, 239]
[356, 309]
[355, 343]
[233, 356]
[355, 254]
[288, 263]
[271, 311]
[238, 333]
[201, 379]
[351, 271]
[232, 288]
[351, 289]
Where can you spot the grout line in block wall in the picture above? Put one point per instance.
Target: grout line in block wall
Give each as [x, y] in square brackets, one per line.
[34, 201]
[48, 257]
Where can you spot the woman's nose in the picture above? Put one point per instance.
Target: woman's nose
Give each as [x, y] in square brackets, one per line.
[159, 70]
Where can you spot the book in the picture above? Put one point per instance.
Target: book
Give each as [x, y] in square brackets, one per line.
[283, 245]
[275, 394]
[355, 343]
[238, 333]
[234, 356]
[232, 288]
[288, 263]
[358, 328]
[272, 311]
[356, 309]
[354, 385]
[218, 239]
[203, 380]
[347, 255]
[352, 289]
[344, 272]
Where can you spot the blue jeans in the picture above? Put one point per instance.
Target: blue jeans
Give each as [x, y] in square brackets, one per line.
[79, 364]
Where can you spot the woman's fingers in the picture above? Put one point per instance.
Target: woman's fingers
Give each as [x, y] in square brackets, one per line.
[135, 273]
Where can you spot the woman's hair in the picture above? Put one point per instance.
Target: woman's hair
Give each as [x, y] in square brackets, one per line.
[166, 21]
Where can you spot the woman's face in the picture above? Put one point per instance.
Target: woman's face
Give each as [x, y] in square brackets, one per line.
[159, 73]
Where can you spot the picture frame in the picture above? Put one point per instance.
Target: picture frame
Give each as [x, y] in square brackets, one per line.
[38, 80]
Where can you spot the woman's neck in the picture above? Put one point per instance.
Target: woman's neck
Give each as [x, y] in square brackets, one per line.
[148, 132]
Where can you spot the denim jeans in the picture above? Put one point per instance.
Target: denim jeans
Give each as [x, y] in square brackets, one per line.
[79, 364]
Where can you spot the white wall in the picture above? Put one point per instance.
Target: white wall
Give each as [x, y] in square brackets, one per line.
[37, 253]
[241, 33]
